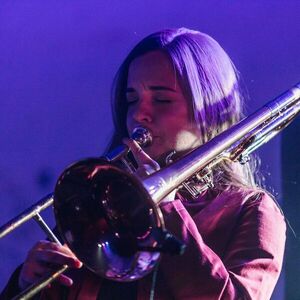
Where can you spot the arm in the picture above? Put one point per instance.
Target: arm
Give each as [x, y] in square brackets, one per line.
[12, 287]
[247, 269]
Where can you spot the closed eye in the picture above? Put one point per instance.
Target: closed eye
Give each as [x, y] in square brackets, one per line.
[131, 98]
[132, 101]
[163, 100]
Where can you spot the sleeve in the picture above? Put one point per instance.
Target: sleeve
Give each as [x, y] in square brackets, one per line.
[12, 288]
[252, 259]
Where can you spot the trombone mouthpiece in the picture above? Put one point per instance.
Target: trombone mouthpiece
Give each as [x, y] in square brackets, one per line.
[142, 136]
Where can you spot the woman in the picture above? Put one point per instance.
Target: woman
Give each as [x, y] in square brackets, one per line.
[182, 86]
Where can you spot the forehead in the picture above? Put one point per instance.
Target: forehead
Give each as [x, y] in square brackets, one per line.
[153, 67]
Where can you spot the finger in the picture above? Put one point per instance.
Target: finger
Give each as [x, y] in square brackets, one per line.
[28, 277]
[65, 280]
[44, 244]
[49, 253]
[34, 268]
[31, 272]
[47, 245]
[140, 156]
[50, 257]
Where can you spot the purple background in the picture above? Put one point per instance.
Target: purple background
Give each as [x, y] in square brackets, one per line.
[57, 62]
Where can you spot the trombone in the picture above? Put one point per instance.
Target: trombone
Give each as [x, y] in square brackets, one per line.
[111, 220]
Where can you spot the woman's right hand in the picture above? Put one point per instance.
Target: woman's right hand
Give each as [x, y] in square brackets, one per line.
[44, 258]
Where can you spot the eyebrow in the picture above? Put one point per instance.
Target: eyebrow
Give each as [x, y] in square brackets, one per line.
[153, 88]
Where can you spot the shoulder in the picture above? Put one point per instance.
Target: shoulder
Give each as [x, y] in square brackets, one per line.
[252, 205]
[262, 202]
[260, 223]
[250, 197]
[259, 208]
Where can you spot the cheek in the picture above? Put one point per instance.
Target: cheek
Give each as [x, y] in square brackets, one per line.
[182, 134]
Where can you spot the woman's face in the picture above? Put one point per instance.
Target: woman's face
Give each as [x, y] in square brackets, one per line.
[156, 101]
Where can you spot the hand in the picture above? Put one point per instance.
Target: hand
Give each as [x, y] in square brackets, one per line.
[43, 259]
[146, 165]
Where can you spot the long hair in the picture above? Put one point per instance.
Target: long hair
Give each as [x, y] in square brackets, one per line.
[209, 79]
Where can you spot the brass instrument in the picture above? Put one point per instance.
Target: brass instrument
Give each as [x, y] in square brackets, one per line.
[111, 219]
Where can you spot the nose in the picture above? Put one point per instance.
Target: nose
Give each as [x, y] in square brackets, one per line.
[143, 112]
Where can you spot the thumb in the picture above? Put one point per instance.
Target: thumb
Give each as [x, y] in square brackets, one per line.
[143, 160]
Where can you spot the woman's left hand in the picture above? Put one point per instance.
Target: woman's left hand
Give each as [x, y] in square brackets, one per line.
[146, 165]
